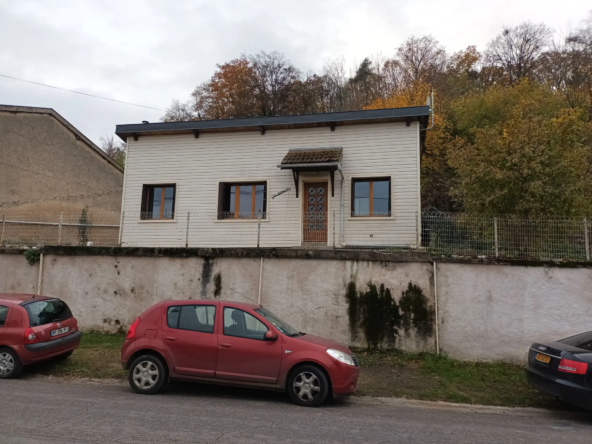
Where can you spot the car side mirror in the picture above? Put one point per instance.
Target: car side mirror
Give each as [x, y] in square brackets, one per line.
[270, 336]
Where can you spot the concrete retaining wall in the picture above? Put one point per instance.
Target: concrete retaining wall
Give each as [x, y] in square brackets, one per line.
[486, 312]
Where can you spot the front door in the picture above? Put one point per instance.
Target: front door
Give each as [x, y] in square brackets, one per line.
[314, 223]
[244, 354]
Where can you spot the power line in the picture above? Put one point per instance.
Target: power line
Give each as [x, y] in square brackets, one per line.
[84, 94]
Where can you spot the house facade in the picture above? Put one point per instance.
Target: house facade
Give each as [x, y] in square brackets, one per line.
[334, 180]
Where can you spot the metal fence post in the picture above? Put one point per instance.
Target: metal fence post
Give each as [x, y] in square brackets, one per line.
[187, 231]
[495, 237]
[60, 228]
[2, 232]
[120, 228]
[417, 230]
[586, 239]
[258, 228]
[334, 246]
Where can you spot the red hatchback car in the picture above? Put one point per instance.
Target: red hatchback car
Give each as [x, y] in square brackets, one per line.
[238, 344]
[34, 329]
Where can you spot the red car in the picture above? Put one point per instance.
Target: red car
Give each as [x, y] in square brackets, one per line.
[237, 344]
[34, 329]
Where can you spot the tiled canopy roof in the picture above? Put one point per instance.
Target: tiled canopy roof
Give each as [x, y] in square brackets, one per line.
[319, 155]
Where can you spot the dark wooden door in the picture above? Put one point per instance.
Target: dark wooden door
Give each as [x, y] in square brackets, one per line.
[315, 212]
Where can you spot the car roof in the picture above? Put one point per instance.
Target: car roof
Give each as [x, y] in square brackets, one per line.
[214, 302]
[17, 298]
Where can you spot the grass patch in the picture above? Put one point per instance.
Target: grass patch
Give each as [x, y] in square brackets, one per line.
[97, 357]
[395, 373]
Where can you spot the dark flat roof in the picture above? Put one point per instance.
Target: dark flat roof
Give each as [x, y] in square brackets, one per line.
[414, 113]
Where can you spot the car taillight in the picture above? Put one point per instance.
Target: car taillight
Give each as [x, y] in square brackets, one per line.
[131, 333]
[30, 336]
[575, 367]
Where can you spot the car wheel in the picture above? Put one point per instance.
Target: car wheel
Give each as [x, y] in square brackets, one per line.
[308, 386]
[147, 375]
[10, 364]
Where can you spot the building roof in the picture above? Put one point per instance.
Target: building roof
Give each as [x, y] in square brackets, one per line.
[306, 156]
[333, 120]
[77, 134]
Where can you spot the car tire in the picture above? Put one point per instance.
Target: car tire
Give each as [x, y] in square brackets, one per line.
[308, 386]
[147, 374]
[10, 364]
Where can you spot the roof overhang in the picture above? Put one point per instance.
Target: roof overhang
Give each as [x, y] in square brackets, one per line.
[313, 159]
[261, 124]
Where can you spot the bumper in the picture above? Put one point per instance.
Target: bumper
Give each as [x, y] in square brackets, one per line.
[32, 353]
[345, 379]
[566, 391]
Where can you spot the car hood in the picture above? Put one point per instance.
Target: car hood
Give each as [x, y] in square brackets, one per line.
[324, 343]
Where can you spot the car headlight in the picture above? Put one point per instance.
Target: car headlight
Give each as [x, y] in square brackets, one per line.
[340, 356]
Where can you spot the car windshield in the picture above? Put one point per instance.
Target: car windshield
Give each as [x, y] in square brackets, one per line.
[46, 312]
[583, 340]
[282, 326]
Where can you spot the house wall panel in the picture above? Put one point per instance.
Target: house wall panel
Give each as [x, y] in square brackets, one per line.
[197, 165]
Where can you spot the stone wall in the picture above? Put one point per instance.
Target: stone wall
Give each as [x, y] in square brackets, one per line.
[486, 312]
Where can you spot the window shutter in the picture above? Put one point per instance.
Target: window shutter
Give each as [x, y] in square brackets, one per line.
[221, 200]
[144, 205]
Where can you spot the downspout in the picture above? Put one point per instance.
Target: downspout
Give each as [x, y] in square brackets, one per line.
[260, 281]
[436, 306]
[40, 278]
[341, 236]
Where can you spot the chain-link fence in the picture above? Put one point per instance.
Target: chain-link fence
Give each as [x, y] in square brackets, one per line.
[38, 229]
[447, 234]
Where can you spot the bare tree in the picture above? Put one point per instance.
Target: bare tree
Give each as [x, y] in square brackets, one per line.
[422, 59]
[115, 149]
[273, 83]
[517, 50]
[179, 112]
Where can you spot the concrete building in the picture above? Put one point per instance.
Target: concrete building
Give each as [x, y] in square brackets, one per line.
[48, 166]
[334, 180]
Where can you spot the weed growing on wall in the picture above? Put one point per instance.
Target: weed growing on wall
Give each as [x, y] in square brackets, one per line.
[32, 256]
[83, 227]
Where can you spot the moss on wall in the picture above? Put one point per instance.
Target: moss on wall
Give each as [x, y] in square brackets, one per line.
[217, 285]
[376, 312]
[416, 312]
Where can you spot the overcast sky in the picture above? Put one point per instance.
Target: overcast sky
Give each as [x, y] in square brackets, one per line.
[149, 52]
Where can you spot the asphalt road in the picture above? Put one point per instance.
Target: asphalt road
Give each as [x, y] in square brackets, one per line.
[39, 410]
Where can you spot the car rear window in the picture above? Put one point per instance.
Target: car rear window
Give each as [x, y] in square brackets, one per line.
[583, 340]
[46, 312]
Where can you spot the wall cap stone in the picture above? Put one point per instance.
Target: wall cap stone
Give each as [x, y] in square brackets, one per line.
[294, 253]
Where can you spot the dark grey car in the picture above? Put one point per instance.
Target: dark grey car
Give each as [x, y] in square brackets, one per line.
[563, 369]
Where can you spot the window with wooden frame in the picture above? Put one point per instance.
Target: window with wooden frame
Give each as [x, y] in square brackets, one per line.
[158, 202]
[371, 197]
[246, 200]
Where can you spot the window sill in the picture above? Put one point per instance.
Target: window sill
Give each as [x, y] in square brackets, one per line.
[156, 221]
[239, 221]
[370, 218]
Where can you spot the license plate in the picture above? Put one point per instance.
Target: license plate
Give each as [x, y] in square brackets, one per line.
[60, 331]
[543, 358]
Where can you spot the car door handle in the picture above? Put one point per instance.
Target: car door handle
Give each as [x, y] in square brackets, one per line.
[225, 344]
[170, 338]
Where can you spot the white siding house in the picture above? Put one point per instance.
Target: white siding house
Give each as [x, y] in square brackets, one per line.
[218, 183]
